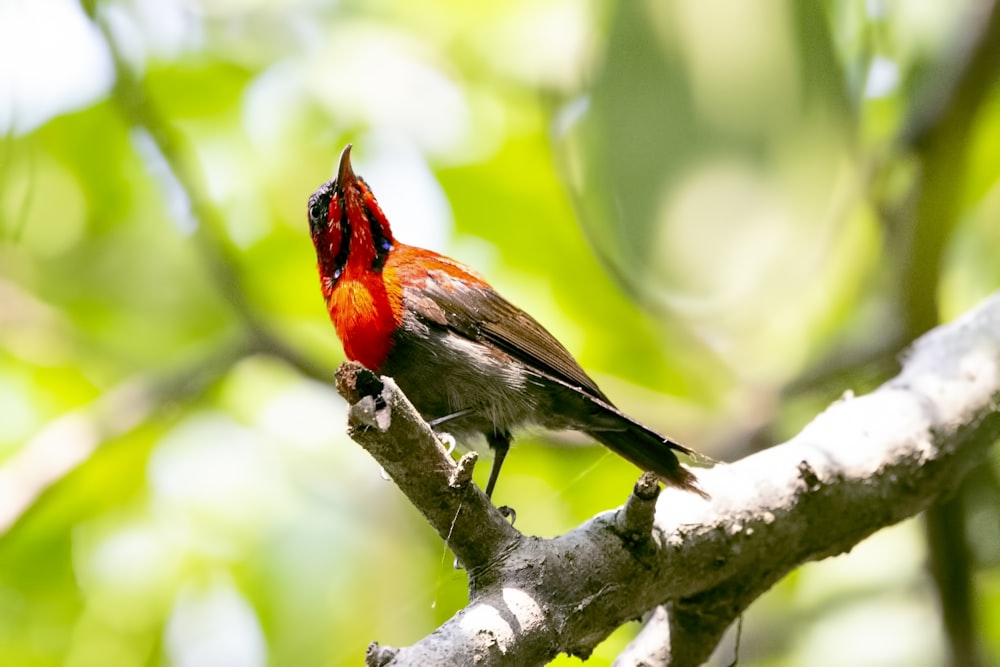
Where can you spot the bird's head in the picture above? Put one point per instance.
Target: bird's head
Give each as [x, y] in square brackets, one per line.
[348, 228]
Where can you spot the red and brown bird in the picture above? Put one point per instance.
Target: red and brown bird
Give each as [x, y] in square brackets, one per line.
[465, 356]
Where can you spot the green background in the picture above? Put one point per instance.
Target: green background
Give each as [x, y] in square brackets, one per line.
[730, 213]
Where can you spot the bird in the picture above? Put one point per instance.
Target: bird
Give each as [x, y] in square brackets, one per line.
[467, 358]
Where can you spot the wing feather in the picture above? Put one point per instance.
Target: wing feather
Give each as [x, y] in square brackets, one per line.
[471, 308]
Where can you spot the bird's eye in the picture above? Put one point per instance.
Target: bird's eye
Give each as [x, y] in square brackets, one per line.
[316, 211]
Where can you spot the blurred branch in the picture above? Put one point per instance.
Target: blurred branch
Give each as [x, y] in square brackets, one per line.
[842, 368]
[939, 132]
[951, 569]
[140, 112]
[67, 442]
[13, 225]
[864, 464]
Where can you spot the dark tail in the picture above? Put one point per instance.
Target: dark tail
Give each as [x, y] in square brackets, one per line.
[589, 411]
[649, 450]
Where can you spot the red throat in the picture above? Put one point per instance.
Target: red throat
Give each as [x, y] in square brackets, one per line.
[366, 309]
[353, 245]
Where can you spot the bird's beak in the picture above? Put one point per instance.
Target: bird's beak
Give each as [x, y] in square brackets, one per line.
[345, 175]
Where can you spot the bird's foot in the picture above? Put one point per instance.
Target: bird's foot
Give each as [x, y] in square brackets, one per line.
[508, 513]
[448, 440]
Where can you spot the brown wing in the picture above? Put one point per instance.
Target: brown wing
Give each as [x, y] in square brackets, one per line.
[443, 293]
[474, 310]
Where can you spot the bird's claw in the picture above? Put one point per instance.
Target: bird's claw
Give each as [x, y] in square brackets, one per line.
[507, 512]
[448, 440]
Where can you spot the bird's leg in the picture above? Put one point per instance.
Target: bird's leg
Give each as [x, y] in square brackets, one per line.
[500, 444]
[434, 423]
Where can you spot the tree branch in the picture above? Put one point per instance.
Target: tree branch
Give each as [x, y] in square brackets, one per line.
[384, 422]
[651, 647]
[863, 464]
[938, 132]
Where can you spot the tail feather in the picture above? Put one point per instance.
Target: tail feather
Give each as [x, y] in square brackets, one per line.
[650, 451]
[590, 412]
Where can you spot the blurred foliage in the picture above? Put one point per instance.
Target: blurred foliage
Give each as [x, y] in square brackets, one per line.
[712, 207]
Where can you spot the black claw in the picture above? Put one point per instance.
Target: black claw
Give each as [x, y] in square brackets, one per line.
[508, 513]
